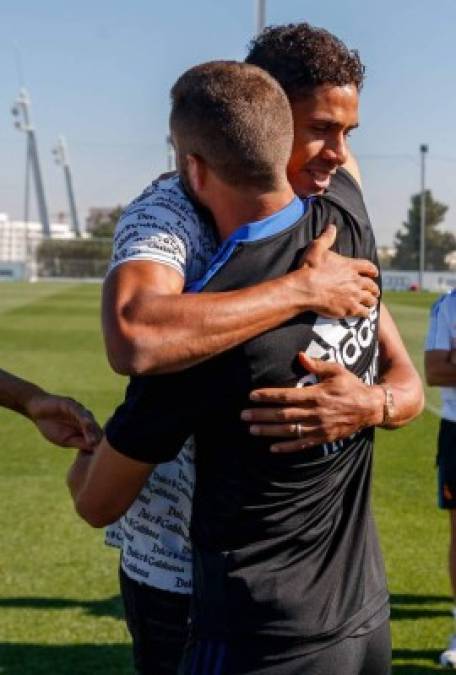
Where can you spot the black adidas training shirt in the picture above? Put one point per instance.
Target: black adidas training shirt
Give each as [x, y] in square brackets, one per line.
[284, 545]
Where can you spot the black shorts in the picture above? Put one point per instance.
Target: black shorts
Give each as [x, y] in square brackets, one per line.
[360, 654]
[158, 623]
[446, 463]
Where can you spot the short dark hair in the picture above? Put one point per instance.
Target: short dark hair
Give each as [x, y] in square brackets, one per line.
[302, 57]
[237, 118]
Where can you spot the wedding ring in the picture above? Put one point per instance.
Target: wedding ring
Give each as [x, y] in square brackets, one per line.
[299, 430]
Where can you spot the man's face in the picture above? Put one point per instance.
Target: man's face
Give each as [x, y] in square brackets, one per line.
[322, 122]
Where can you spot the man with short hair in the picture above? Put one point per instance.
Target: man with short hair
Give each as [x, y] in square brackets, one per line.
[251, 505]
[440, 367]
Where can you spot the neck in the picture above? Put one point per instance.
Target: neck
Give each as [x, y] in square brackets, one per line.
[233, 208]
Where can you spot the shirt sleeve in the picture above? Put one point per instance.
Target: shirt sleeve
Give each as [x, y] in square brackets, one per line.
[146, 426]
[439, 332]
[161, 225]
[157, 416]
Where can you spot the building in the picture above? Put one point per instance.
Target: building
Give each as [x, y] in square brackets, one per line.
[19, 241]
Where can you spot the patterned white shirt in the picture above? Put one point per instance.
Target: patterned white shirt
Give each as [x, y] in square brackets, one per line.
[161, 225]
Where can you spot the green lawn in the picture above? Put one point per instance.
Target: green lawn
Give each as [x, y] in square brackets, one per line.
[59, 607]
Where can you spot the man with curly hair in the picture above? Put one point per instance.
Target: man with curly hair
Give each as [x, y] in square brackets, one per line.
[322, 79]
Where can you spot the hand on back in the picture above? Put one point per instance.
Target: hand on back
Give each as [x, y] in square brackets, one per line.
[338, 286]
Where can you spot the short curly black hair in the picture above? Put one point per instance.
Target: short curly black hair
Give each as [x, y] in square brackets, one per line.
[302, 57]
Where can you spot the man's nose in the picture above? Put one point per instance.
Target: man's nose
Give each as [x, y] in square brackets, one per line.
[336, 149]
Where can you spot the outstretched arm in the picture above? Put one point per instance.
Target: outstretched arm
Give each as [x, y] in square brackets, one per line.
[60, 420]
[340, 404]
[150, 327]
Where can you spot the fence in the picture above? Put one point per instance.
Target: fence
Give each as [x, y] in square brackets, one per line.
[404, 280]
[83, 259]
[89, 259]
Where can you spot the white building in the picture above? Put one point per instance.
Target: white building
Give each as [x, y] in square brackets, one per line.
[19, 240]
[18, 243]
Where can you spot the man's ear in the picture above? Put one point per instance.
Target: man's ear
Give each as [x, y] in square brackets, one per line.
[196, 173]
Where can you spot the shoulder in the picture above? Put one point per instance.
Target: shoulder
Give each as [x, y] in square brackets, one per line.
[446, 304]
[442, 323]
[343, 205]
[344, 191]
[164, 197]
[343, 184]
[163, 225]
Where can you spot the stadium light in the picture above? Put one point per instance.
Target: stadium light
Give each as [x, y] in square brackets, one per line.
[60, 153]
[22, 121]
[424, 149]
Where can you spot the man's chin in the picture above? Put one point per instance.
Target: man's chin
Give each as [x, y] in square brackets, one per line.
[306, 185]
[320, 183]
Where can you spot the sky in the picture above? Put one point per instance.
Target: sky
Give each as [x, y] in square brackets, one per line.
[99, 73]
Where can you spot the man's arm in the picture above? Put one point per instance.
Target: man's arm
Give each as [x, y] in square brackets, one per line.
[105, 483]
[60, 420]
[396, 370]
[150, 327]
[340, 404]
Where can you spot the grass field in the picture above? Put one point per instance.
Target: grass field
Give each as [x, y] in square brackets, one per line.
[59, 607]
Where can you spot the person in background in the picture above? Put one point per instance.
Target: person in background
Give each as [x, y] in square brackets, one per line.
[440, 368]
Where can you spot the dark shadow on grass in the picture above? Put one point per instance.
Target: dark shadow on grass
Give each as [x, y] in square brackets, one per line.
[31, 659]
[107, 607]
[416, 655]
[407, 599]
[405, 606]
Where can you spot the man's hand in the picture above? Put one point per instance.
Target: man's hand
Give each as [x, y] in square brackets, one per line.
[334, 408]
[63, 421]
[335, 286]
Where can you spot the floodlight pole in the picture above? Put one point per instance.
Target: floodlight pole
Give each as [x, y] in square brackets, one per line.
[27, 184]
[22, 108]
[424, 149]
[260, 16]
[60, 153]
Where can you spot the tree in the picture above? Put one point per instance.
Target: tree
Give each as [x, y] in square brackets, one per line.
[104, 222]
[438, 243]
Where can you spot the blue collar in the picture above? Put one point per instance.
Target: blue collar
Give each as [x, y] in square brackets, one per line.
[259, 229]
[267, 227]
